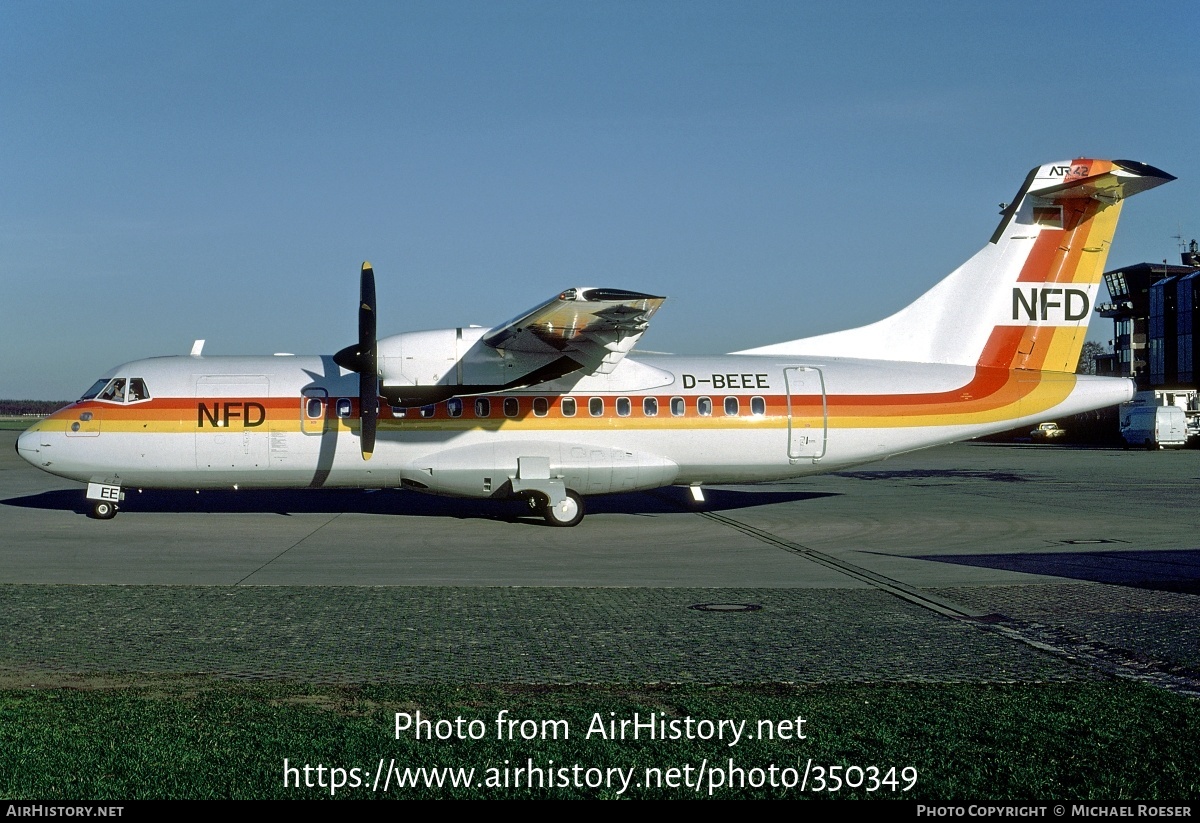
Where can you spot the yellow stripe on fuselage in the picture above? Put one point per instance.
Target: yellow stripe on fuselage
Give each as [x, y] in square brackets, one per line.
[992, 397]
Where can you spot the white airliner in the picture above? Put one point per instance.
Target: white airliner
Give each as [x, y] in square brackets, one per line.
[551, 406]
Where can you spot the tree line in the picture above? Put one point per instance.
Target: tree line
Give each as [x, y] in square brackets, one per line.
[19, 408]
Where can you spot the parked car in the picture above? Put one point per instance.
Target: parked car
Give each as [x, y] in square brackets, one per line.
[1047, 431]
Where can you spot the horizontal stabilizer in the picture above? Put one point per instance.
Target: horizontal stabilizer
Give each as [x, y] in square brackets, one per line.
[1125, 179]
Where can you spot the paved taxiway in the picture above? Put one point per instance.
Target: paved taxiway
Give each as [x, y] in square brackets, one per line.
[976, 562]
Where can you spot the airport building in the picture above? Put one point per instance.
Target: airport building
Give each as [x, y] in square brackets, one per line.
[1156, 330]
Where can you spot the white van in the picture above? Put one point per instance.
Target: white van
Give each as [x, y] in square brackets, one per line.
[1162, 427]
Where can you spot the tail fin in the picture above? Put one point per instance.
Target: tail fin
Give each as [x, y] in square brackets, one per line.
[1025, 299]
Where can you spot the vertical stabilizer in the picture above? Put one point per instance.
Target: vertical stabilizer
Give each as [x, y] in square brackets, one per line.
[1025, 299]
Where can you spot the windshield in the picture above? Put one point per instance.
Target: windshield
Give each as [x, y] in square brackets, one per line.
[95, 389]
[118, 390]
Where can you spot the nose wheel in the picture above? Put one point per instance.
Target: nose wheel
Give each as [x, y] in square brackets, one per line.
[104, 510]
[567, 513]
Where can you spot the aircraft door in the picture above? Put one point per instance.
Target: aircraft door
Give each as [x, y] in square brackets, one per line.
[229, 422]
[313, 403]
[808, 412]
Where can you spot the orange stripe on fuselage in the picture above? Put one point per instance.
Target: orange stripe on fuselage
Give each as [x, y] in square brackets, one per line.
[992, 394]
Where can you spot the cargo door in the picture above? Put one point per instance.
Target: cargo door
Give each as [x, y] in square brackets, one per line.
[230, 422]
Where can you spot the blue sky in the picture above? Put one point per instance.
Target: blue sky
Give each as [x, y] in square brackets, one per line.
[220, 170]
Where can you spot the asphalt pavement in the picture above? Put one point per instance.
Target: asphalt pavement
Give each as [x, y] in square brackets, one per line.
[969, 563]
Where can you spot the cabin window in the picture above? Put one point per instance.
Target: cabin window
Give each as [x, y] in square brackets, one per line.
[314, 408]
[568, 407]
[650, 406]
[427, 411]
[483, 407]
[454, 406]
[731, 406]
[541, 406]
[511, 406]
[596, 406]
[758, 406]
[343, 407]
[678, 406]
[624, 407]
[704, 406]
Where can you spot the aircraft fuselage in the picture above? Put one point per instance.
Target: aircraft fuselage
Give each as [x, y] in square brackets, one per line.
[288, 421]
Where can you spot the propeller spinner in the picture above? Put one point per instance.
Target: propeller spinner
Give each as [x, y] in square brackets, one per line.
[363, 358]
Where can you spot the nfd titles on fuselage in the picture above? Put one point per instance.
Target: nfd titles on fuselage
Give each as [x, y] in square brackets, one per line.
[250, 414]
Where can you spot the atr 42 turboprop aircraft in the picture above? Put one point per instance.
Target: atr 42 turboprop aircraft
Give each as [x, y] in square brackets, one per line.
[550, 407]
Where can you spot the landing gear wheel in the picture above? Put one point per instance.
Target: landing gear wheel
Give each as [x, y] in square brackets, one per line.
[104, 510]
[567, 513]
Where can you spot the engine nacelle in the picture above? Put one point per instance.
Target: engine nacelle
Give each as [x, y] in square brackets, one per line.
[425, 358]
[427, 366]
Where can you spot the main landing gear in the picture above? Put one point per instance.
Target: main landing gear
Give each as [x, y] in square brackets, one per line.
[568, 512]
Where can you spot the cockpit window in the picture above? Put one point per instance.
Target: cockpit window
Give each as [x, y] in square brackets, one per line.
[137, 390]
[118, 390]
[114, 391]
[95, 389]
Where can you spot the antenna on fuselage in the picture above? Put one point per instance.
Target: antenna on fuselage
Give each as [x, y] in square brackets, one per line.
[197, 348]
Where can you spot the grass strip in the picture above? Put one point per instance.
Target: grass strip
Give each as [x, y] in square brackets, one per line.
[206, 738]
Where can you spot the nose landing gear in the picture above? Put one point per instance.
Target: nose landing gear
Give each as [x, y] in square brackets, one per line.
[104, 498]
[103, 510]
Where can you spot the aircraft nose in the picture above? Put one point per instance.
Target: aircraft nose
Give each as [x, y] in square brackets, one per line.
[28, 446]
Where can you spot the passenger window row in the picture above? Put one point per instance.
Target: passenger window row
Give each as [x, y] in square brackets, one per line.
[568, 406]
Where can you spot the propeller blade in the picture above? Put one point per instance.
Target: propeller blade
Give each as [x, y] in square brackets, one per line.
[368, 404]
[367, 363]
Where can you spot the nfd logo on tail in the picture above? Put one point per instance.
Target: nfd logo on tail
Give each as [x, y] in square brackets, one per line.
[1050, 305]
[553, 405]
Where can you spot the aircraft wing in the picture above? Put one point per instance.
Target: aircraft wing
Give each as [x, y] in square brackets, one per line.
[593, 327]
